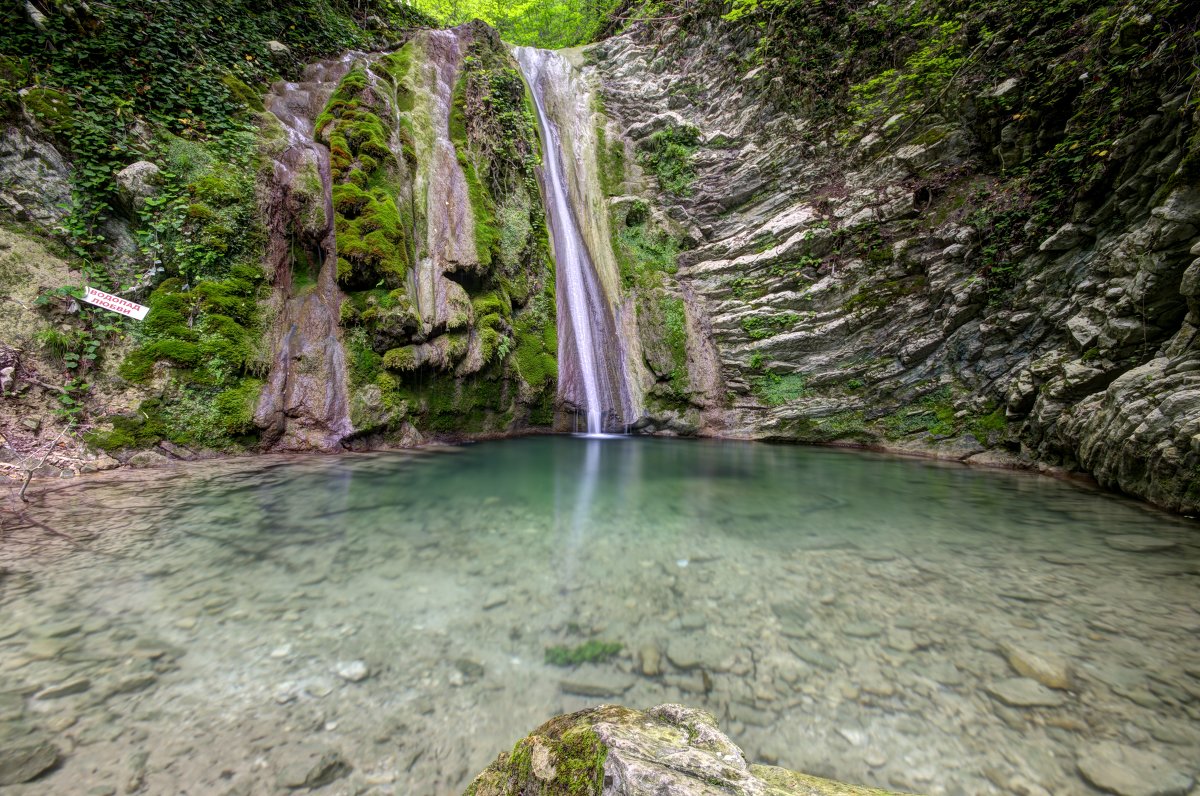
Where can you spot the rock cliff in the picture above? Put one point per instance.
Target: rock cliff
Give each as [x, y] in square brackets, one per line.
[957, 231]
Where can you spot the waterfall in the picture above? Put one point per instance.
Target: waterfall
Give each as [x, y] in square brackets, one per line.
[591, 359]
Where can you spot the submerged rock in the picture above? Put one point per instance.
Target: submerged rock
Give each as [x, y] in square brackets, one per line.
[25, 760]
[615, 751]
[1021, 692]
[1127, 771]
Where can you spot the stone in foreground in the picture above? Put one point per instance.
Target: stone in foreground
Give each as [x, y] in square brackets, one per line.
[1127, 771]
[614, 751]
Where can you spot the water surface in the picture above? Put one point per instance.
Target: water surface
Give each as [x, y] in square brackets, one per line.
[841, 613]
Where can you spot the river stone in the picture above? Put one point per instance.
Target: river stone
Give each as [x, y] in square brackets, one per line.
[1042, 665]
[70, 687]
[1021, 692]
[1139, 543]
[311, 767]
[596, 681]
[352, 671]
[651, 660]
[684, 653]
[669, 749]
[1127, 771]
[26, 760]
[865, 629]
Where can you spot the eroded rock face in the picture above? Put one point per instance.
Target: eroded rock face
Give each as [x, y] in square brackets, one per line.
[839, 285]
[616, 751]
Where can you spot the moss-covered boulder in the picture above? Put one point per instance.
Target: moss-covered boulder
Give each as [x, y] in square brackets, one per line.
[615, 751]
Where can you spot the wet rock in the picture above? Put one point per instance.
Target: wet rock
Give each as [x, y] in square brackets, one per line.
[595, 681]
[131, 685]
[667, 749]
[66, 688]
[311, 767]
[1127, 771]
[352, 671]
[863, 629]
[813, 656]
[1021, 692]
[651, 660]
[26, 759]
[1042, 665]
[1138, 543]
[684, 653]
[693, 621]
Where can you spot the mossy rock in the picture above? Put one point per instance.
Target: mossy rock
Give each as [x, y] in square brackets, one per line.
[617, 751]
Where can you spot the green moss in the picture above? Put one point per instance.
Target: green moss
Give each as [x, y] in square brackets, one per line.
[669, 155]
[760, 327]
[589, 652]
[643, 252]
[236, 406]
[775, 389]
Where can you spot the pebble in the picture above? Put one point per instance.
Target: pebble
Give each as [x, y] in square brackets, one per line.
[352, 671]
[684, 653]
[595, 681]
[282, 652]
[494, 600]
[813, 656]
[1042, 665]
[693, 621]
[66, 688]
[1127, 771]
[1021, 692]
[863, 629]
[651, 660]
[186, 623]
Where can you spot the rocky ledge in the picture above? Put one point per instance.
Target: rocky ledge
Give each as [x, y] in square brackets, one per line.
[616, 751]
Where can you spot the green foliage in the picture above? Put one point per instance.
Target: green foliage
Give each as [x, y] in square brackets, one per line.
[776, 389]
[105, 72]
[643, 253]
[668, 154]
[675, 325]
[589, 652]
[542, 23]
[760, 327]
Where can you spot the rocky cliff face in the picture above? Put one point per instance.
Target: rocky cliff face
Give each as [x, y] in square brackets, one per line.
[854, 287]
[953, 253]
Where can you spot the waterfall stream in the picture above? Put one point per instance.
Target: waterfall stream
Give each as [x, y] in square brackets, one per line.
[591, 364]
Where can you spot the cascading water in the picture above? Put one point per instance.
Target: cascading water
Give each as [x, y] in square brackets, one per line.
[591, 362]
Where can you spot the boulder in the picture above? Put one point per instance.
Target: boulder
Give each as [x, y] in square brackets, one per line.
[136, 183]
[614, 751]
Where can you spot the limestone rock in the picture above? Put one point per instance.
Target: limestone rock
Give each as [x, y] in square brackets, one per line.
[1127, 771]
[596, 681]
[278, 48]
[1021, 692]
[1048, 668]
[311, 767]
[136, 183]
[669, 749]
[26, 759]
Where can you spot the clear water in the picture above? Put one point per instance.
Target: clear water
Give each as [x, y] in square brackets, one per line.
[841, 613]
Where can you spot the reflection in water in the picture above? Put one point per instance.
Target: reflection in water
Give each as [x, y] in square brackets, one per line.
[848, 614]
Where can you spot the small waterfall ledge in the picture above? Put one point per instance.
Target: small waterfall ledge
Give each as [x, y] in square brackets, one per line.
[593, 350]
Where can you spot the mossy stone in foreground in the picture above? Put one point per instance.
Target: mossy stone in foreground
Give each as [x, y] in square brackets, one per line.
[614, 751]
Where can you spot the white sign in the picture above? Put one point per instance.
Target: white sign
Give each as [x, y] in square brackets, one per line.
[115, 303]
